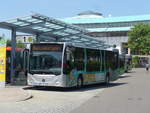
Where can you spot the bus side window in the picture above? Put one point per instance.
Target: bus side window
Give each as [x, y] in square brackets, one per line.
[79, 58]
[93, 60]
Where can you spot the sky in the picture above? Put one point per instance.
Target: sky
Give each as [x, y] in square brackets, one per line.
[10, 9]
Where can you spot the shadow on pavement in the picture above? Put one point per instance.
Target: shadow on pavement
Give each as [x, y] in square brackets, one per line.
[124, 76]
[74, 89]
[131, 71]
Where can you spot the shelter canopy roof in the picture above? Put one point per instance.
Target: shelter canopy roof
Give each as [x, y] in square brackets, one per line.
[56, 30]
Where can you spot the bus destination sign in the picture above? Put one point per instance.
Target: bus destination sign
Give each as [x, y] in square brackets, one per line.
[47, 47]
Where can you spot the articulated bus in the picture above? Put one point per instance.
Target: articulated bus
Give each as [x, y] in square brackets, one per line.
[63, 64]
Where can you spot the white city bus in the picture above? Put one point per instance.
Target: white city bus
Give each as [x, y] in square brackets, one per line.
[63, 64]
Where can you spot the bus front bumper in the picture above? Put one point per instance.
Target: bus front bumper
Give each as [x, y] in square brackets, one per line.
[46, 80]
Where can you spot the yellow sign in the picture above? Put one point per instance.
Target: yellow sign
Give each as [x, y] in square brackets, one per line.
[89, 77]
[2, 64]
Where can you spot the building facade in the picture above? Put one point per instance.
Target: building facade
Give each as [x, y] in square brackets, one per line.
[112, 30]
[25, 38]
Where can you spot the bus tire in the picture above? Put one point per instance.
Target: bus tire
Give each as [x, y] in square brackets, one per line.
[107, 79]
[80, 81]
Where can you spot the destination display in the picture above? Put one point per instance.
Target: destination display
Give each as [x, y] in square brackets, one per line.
[47, 47]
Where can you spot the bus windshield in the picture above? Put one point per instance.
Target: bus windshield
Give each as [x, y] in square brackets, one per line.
[45, 62]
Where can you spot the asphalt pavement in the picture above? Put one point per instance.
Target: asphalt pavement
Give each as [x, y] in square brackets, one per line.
[129, 94]
[46, 99]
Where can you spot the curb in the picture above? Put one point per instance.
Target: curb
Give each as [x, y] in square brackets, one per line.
[29, 96]
[15, 95]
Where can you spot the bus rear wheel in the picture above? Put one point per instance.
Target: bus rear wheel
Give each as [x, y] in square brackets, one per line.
[79, 82]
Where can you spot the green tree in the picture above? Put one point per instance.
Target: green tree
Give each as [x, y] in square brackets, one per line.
[30, 39]
[19, 44]
[8, 43]
[2, 40]
[139, 38]
[135, 61]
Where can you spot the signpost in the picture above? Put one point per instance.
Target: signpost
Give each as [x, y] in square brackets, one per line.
[2, 63]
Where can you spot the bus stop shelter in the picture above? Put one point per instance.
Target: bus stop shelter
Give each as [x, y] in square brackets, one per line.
[52, 29]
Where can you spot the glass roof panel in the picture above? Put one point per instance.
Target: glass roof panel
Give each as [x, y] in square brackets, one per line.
[11, 21]
[19, 23]
[75, 37]
[37, 27]
[78, 41]
[32, 20]
[23, 25]
[54, 26]
[71, 31]
[60, 33]
[26, 17]
[85, 39]
[47, 30]
[48, 24]
[41, 28]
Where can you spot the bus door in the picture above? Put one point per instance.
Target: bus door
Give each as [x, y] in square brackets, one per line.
[21, 67]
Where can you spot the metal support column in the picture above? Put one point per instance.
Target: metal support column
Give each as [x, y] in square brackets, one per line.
[37, 38]
[13, 54]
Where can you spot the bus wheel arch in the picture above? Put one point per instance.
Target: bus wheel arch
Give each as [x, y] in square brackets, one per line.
[80, 81]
